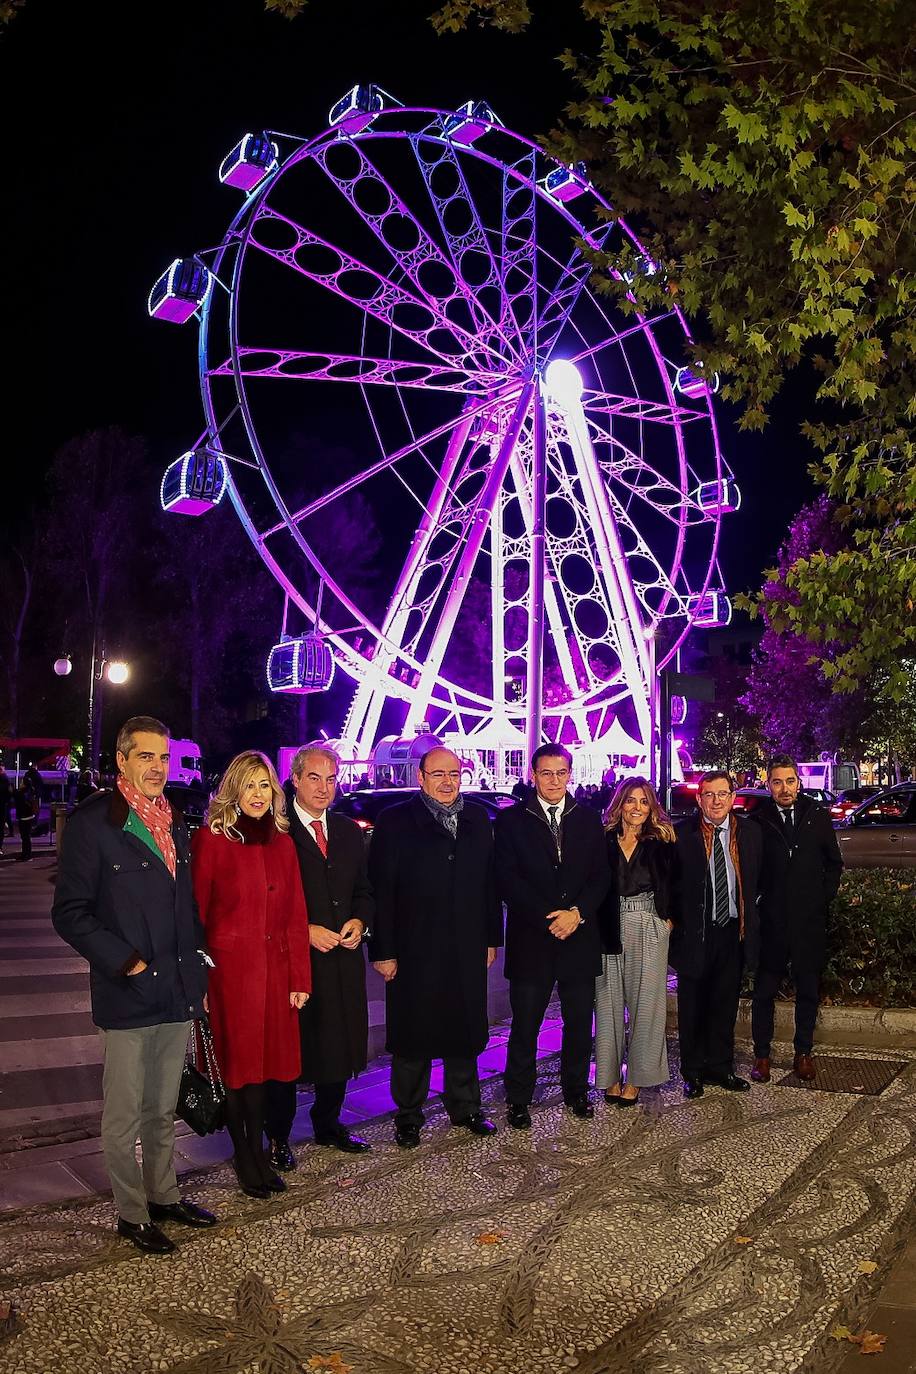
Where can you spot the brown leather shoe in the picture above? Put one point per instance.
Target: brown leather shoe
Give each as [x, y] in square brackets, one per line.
[803, 1067]
[760, 1073]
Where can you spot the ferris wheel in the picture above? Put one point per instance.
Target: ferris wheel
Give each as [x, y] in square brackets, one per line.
[515, 505]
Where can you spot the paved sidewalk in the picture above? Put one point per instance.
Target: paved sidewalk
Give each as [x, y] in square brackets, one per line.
[737, 1234]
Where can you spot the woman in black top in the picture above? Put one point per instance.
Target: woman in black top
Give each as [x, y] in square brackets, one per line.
[635, 920]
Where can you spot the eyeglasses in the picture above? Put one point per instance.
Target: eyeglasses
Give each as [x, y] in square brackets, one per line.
[549, 776]
[438, 775]
[715, 796]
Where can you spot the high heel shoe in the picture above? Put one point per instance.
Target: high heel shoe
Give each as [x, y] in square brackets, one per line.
[248, 1183]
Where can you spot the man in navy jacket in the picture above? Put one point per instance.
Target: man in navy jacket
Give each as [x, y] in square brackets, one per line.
[124, 901]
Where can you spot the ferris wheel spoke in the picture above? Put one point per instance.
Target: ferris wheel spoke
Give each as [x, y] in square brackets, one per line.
[295, 365]
[389, 461]
[642, 480]
[637, 408]
[384, 300]
[434, 277]
[639, 552]
[519, 250]
[464, 233]
[617, 336]
[564, 298]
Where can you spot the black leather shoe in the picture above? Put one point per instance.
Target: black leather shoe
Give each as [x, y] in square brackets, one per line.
[692, 1088]
[478, 1124]
[188, 1213]
[518, 1116]
[146, 1236]
[344, 1140]
[408, 1137]
[281, 1156]
[581, 1107]
[730, 1082]
[274, 1184]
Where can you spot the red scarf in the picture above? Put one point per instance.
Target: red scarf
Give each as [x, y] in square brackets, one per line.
[156, 815]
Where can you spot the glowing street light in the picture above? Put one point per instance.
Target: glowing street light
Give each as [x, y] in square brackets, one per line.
[115, 671]
[118, 672]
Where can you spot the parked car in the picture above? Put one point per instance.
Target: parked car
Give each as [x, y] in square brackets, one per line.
[847, 801]
[366, 804]
[192, 800]
[881, 832]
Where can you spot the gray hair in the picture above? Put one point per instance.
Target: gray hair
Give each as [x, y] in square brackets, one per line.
[322, 750]
[139, 725]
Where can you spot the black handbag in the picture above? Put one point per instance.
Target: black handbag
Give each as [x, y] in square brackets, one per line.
[201, 1095]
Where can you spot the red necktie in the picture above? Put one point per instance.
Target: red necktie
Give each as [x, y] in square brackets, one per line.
[320, 838]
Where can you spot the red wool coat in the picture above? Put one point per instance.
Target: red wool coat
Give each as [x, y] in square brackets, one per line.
[251, 904]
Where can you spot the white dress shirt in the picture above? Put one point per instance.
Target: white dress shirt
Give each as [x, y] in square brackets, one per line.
[307, 818]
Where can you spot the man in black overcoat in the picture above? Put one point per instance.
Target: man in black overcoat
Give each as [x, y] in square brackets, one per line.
[552, 872]
[716, 933]
[437, 926]
[334, 1023]
[799, 878]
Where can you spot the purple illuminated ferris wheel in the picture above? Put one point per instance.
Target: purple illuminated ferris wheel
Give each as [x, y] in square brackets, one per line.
[540, 474]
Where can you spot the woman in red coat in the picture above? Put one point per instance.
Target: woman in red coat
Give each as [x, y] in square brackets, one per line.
[249, 893]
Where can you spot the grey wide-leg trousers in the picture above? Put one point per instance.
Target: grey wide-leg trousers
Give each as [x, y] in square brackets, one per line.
[140, 1091]
[636, 979]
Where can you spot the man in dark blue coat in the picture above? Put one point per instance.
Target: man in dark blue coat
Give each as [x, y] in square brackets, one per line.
[124, 902]
[552, 872]
[437, 927]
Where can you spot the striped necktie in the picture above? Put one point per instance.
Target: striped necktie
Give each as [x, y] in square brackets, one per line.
[721, 914]
[554, 825]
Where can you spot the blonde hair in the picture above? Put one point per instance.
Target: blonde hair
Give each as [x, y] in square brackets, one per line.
[223, 809]
[657, 825]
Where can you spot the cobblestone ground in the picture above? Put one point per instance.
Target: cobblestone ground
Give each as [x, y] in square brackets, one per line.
[725, 1236]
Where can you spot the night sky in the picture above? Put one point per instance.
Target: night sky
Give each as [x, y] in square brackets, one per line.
[117, 117]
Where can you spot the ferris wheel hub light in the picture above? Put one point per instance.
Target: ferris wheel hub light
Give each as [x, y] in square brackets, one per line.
[194, 483]
[181, 290]
[565, 183]
[693, 382]
[564, 381]
[469, 122]
[356, 110]
[250, 162]
[300, 665]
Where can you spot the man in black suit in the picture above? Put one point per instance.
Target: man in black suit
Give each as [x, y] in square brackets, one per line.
[800, 875]
[438, 924]
[716, 933]
[552, 873]
[334, 1023]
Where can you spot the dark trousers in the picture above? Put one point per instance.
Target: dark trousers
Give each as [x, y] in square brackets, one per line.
[410, 1088]
[707, 1007]
[25, 832]
[281, 1108]
[807, 996]
[528, 1001]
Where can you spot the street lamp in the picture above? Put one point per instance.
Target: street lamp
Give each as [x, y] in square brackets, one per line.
[116, 671]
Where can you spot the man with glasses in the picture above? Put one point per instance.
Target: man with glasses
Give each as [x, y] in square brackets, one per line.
[334, 1023]
[717, 933]
[552, 871]
[437, 927]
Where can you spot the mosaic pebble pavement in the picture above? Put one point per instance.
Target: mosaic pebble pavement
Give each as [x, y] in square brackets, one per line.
[725, 1236]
